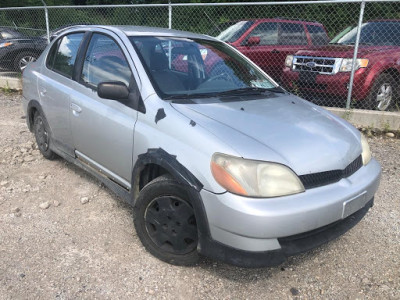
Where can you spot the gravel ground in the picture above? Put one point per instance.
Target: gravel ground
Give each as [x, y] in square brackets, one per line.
[64, 236]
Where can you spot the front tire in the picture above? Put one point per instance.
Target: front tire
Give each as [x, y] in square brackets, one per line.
[383, 93]
[23, 59]
[42, 136]
[165, 221]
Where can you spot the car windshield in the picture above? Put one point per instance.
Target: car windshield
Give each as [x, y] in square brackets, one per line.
[188, 68]
[384, 33]
[234, 32]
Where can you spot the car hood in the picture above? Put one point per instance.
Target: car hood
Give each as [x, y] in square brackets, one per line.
[344, 51]
[290, 130]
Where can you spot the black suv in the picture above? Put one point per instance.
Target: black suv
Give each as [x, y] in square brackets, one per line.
[17, 50]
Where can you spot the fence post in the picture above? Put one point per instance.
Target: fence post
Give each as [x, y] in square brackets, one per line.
[46, 14]
[360, 20]
[169, 14]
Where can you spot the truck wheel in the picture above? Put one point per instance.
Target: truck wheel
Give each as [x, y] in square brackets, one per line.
[42, 136]
[165, 221]
[383, 93]
[23, 59]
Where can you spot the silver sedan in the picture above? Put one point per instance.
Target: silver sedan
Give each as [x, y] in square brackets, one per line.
[213, 155]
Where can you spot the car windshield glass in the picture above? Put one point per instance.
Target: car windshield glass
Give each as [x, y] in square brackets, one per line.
[384, 33]
[183, 67]
[232, 33]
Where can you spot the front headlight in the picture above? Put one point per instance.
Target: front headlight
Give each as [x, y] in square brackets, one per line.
[254, 178]
[6, 44]
[347, 63]
[289, 61]
[366, 151]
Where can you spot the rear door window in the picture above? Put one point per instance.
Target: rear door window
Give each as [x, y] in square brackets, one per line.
[63, 59]
[292, 34]
[317, 34]
[267, 32]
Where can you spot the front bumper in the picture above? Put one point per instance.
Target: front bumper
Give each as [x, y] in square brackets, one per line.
[263, 225]
[290, 246]
[330, 85]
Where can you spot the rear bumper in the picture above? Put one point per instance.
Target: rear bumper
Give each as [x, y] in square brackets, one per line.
[290, 245]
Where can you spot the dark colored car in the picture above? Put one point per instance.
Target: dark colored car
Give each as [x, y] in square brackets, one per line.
[267, 42]
[325, 71]
[17, 50]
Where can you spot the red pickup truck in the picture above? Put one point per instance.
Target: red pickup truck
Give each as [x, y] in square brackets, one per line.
[267, 42]
[325, 71]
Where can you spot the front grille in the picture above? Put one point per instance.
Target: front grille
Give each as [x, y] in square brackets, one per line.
[323, 178]
[322, 65]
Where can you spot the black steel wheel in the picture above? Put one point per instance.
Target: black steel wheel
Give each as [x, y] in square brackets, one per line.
[165, 221]
[42, 136]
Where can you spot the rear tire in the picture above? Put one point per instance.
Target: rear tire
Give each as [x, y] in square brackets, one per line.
[42, 136]
[165, 222]
[383, 94]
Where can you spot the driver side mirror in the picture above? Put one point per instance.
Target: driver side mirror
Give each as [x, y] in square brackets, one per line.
[117, 90]
[113, 90]
[253, 40]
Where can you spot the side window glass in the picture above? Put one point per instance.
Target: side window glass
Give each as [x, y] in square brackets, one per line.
[65, 55]
[317, 34]
[292, 34]
[267, 32]
[104, 61]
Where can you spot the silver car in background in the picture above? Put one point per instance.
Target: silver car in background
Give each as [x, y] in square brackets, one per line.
[213, 155]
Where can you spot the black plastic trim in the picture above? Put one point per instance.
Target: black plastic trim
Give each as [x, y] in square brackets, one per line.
[324, 178]
[168, 162]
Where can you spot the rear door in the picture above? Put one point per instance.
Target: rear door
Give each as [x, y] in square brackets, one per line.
[103, 129]
[55, 88]
[317, 34]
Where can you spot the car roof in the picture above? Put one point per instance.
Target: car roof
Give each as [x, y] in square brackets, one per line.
[283, 20]
[130, 30]
[383, 20]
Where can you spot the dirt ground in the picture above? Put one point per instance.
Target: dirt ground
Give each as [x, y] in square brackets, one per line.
[84, 245]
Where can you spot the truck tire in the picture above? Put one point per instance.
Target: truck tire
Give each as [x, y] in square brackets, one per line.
[383, 94]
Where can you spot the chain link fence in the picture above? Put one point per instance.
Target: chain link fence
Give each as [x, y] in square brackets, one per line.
[306, 46]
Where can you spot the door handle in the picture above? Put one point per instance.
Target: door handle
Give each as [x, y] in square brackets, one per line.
[76, 109]
[275, 51]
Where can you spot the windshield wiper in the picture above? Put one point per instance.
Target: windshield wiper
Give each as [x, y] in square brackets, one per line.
[235, 92]
[190, 96]
[277, 89]
[243, 91]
